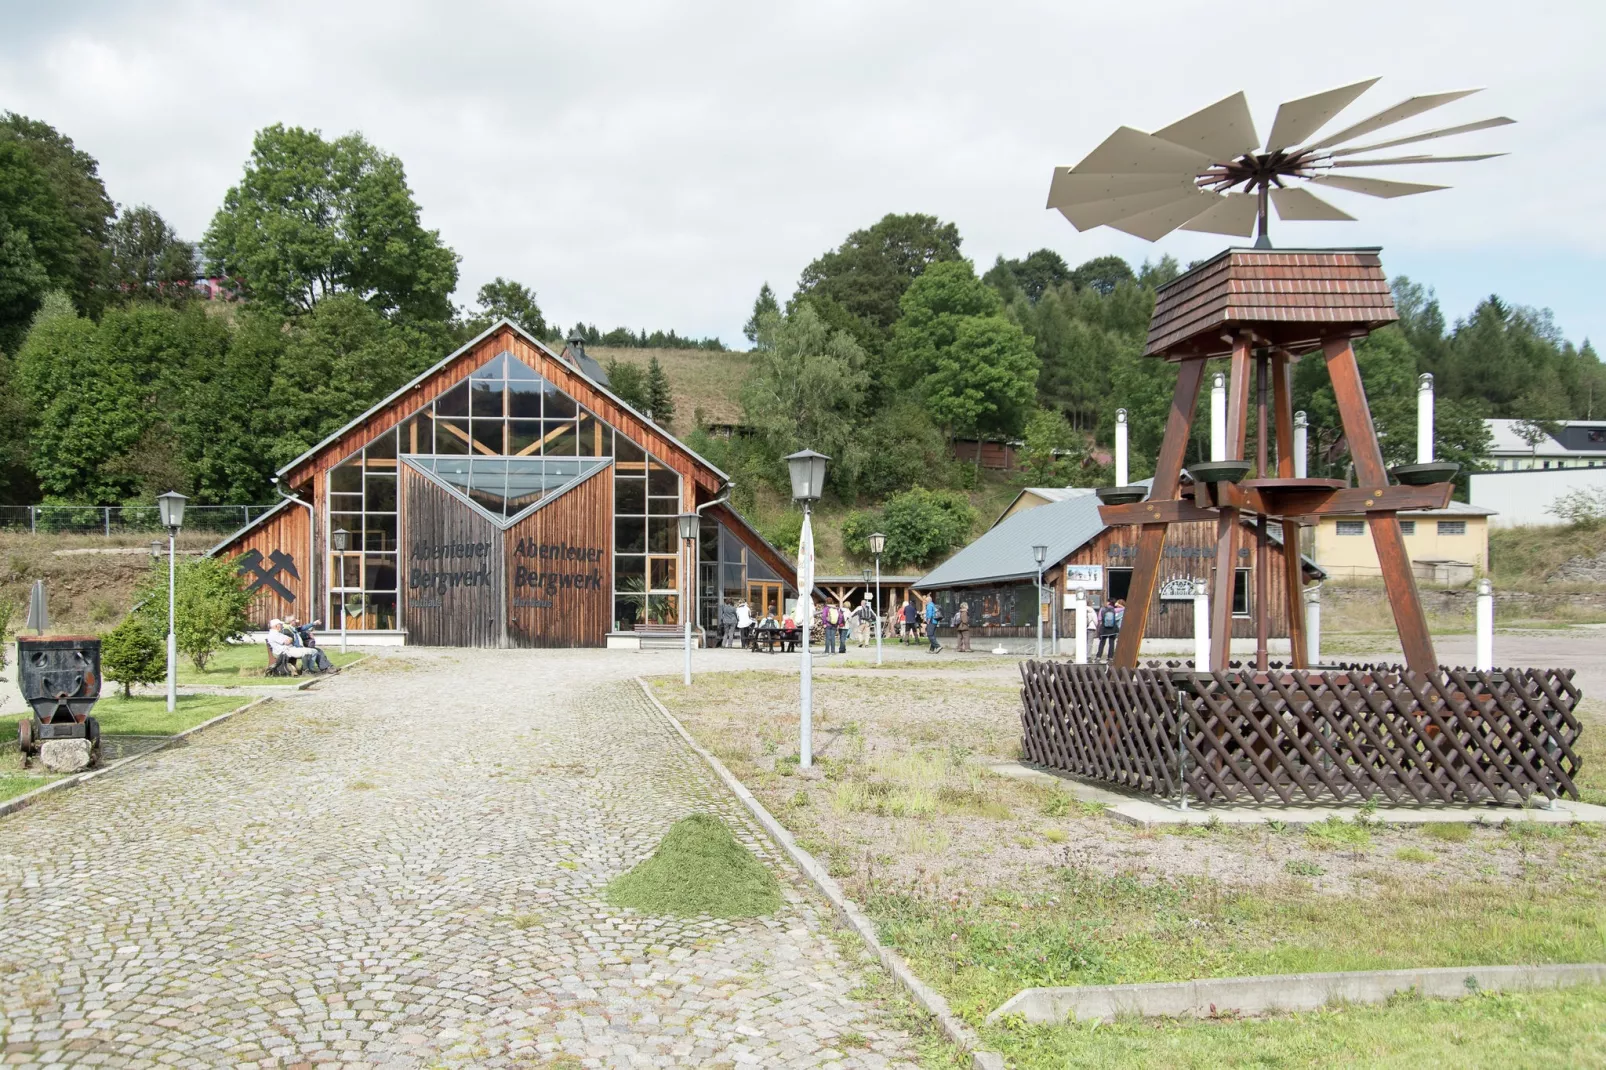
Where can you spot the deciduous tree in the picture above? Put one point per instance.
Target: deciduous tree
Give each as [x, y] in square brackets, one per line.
[145, 260]
[505, 299]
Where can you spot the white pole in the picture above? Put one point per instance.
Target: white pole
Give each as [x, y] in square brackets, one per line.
[1055, 605]
[343, 613]
[1218, 417]
[1120, 448]
[172, 638]
[1301, 446]
[1424, 418]
[805, 602]
[1313, 624]
[1081, 627]
[1201, 626]
[1485, 627]
[686, 610]
[878, 609]
[1040, 605]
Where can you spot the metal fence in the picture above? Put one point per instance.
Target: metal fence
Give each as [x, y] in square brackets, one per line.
[123, 519]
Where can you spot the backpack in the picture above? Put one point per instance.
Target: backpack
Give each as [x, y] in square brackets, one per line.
[1108, 618]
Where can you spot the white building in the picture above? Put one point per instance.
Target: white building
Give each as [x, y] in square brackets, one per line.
[1578, 444]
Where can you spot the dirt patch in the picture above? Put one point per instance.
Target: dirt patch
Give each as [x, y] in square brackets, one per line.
[86, 592]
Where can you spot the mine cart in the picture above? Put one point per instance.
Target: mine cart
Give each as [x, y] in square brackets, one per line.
[60, 678]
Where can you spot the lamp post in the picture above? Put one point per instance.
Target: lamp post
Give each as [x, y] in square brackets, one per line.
[688, 535]
[171, 508]
[808, 476]
[878, 542]
[342, 538]
[1039, 554]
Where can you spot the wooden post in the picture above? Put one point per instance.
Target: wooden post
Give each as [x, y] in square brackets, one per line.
[1151, 540]
[1261, 610]
[1361, 435]
[1227, 526]
[1293, 571]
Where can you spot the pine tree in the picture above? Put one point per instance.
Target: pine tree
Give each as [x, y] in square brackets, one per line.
[766, 303]
[659, 401]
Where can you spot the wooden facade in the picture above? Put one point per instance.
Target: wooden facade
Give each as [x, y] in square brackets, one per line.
[546, 580]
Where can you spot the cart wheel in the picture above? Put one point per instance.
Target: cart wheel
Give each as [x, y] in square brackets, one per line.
[93, 727]
[25, 738]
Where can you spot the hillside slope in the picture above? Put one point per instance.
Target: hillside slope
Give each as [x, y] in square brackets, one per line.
[699, 379]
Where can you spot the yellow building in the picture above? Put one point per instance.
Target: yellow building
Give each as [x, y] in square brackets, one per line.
[1449, 545]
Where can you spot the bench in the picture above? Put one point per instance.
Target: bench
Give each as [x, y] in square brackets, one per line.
[665, 636]
[278, 664]
[786, 639]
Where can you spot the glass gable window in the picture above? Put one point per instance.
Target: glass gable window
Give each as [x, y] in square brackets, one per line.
[362, 500]
[646, 540]
[506, 489]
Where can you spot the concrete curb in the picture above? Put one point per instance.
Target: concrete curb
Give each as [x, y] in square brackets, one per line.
[329, 675]
[1282, 992]
[928, 998]
[11, 806]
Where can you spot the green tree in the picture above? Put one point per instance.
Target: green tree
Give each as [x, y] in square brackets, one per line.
[505, 299]
[1032, 276]
[1103, 274]
[924, 525]
[38, 241]
[1051, 449]
[74, 178]
[145, 260]
[660, 402]
[132, 653]
[974, 369]
[629, 383]
[313, 218]
[765, 305]
[211, 605]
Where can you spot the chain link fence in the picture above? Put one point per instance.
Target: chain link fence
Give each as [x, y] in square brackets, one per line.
[123, 519]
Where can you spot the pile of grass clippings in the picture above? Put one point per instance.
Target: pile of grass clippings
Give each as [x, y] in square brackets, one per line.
[699, 868]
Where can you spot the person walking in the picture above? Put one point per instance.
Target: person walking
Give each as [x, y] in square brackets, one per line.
[933, 616]
[843, 623]
[828, 626]
[863, 617]
[962, 626]
[744, 622]
[1109, 626]
[911, 619]
[727, 624]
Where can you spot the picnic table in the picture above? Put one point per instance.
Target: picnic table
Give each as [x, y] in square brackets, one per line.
[775, 640]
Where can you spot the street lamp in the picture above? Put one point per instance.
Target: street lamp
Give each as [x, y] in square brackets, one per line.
[156, 549]
[688, 535]
[808, 477]
[1039, 554]
[341, 539]
[171, 508]
[878, 542]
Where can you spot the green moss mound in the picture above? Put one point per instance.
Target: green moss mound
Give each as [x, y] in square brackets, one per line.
[699, 868]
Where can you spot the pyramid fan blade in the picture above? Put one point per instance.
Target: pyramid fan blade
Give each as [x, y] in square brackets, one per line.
[1069, 188]
[1299, 119]
[1399, 113]
[1301, 204]
[1098, 213]
[1223, 131]
[1132, 152]
[1374, 187]
[1233, 214]
[1388, 161]
[1157, 223]
[1429, 135]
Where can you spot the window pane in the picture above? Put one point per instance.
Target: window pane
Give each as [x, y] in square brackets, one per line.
[346, 478]
[381, 494]
[663, 506]
[558, 405]
[345, 503]
[491, 369]
[663, 480]
[523, 434]
[351, 522]
[558, 438]
[418, 434]
[380, 611]
[454, 402]
[488, 436]
[1351, 527]
[591, 444]
[661, 608]
[663, 573]
[383, 446]
[451, 436]
[379, 572]
[1408, 527]
[1452, 527]
[663, 534]
[517, 369]
[627, 451]
[629, 535]
[1240, 592]
[629, 496]
[630, 573]
[486, 399]
[379, 532]
[346, 570]
[524, 398]
[628, 611]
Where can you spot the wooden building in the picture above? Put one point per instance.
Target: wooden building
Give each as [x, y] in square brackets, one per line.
[504, 498]
[997, 573]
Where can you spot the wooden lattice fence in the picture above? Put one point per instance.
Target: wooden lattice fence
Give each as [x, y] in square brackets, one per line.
[1286, 735]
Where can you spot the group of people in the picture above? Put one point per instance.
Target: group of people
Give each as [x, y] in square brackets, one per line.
[293, 641]
[909, 622]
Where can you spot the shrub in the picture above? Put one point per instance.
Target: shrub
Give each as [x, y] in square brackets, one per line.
[1583, 508]
[856, 531]
[132, 653]
[921, 525]
[211, 605]
[785, 532]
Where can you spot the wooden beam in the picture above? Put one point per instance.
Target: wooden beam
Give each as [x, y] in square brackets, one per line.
[1367, 456]
[1278, 503]
[1180, 511]
[1151, 539]
[1293, 572]
[1238, 399]
[1222, 582]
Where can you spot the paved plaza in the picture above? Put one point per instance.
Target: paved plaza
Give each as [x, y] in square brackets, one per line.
[404, 867]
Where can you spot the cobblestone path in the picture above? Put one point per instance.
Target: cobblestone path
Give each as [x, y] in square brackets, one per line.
[390, 871]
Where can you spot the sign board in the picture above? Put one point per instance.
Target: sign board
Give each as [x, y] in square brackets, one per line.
[1084, 577]
[1177, 590]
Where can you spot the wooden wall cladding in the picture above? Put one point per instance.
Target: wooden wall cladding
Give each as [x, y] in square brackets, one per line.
[559, 569]
[452, 569]
[1189, 554]
[276, 561]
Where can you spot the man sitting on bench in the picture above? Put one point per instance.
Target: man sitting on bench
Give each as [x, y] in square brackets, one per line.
[311, 659]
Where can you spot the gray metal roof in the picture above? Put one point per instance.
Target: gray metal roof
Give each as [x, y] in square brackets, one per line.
[1005, 552]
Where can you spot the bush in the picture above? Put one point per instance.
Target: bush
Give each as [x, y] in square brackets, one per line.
[211, 605]
[856, 531]
[132, 653]
[921, 525]
[785, 532]
[1583, 508]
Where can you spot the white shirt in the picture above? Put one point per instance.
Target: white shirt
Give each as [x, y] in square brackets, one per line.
[743, 617]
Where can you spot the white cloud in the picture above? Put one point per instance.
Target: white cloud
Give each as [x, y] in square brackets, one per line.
[652, 163]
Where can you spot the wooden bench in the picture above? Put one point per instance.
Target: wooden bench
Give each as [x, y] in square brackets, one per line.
[785, 639]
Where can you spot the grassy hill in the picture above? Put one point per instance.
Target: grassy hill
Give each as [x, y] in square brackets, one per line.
[699, 379]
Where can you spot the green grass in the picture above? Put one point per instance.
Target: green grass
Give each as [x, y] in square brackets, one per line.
[12, 785]
[146, 715]
[699, 868]
[245, 663]
[1092, 929]
[1556, 1028]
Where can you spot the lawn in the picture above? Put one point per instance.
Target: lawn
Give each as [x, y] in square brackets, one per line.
[245, 663]
[146, 715]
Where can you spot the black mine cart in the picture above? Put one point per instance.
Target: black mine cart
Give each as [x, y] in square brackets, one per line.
[60, 678]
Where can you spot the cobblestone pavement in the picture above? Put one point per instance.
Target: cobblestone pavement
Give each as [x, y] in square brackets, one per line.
[392, 870]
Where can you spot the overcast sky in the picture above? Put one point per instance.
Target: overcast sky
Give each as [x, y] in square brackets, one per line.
[650, 164]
